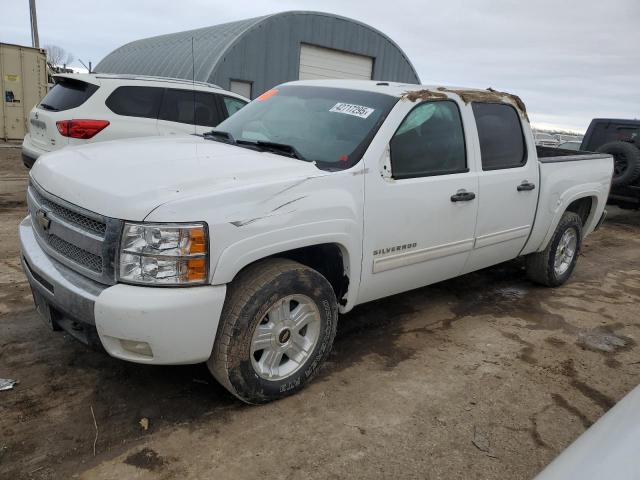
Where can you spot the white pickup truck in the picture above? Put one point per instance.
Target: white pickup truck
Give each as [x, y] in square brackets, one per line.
[240, 247]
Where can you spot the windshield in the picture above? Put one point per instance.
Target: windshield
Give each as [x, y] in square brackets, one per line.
[331, 126]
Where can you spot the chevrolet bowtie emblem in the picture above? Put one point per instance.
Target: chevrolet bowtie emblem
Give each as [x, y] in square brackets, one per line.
[43, 220]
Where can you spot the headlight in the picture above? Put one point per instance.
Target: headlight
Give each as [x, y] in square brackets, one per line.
[164, 254]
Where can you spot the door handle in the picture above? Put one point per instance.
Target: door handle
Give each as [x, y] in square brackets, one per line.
[524, 186]
[463, 196]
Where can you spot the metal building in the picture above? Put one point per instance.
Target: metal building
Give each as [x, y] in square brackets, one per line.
[251, 56]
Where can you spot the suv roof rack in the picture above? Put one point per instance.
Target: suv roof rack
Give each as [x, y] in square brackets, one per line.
[152, 78]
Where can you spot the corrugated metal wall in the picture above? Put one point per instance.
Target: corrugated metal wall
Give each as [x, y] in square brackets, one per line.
[269, 53]
[264, 50]
[170, 55]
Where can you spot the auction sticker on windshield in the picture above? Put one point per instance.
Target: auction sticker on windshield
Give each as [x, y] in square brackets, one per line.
[355, 110]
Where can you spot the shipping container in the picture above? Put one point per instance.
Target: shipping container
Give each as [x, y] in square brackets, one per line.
[23, 82]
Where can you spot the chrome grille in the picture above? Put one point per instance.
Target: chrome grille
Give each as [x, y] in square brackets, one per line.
[80, 239]
[78, 219]
[77, 254]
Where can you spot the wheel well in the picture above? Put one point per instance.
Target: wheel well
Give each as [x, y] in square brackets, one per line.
[582, 207]
[328, 260]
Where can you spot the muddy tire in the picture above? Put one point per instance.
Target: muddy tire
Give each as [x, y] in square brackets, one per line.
[277, 327]
[554, 265]
[626, 162]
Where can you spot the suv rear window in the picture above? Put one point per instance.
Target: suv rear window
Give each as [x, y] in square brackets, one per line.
[66, 94]
[135, 101]
[605, 132]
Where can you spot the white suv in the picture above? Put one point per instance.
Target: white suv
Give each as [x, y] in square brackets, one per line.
[85, 108]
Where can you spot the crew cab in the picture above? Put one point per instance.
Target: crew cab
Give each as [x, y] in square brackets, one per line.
[241, 246]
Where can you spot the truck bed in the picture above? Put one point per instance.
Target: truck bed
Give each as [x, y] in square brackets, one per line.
[562, 180]
[553, 155]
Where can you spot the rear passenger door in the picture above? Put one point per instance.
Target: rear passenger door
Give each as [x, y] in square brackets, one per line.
[508, 185]
[188, 111]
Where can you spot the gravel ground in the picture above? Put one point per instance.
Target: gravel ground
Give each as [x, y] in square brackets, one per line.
[485, 376]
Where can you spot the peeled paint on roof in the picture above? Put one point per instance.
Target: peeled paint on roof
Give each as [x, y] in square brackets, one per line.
[423, 94]
[468, 95]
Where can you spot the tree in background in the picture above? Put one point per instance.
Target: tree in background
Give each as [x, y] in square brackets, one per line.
[58, 57]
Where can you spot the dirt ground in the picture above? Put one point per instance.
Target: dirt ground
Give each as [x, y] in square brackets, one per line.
[485, 376]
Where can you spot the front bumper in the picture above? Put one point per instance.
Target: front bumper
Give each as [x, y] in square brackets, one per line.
[153, 325]
[63, 297]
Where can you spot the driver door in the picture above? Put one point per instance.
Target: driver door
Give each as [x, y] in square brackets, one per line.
[420, 218]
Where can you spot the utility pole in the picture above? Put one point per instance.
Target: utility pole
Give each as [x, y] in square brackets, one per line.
[35, 40]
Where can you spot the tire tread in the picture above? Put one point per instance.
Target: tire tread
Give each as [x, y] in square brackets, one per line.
[239, 293]
[538, 265]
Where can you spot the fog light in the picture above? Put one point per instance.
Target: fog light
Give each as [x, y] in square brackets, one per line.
[139, 348]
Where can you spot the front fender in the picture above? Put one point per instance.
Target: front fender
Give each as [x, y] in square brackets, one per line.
[345, 233]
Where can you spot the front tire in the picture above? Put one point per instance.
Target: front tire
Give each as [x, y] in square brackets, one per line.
[554, 265]
[277, 327]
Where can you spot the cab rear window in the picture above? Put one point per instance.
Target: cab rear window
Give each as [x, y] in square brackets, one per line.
[66, 94]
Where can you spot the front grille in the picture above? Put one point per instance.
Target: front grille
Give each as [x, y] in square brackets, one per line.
[75, 218]
[77, 254]
[80, 239]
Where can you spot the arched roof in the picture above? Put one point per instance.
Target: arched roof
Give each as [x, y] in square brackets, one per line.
[175, 54]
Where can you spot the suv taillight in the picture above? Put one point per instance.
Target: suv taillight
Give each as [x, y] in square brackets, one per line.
[83, 129]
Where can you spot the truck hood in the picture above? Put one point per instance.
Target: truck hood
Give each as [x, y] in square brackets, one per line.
[127, 179]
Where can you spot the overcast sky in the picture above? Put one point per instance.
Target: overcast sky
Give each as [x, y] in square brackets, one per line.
[569, 60]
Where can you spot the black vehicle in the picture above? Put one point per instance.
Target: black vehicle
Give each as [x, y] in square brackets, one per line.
[620, 138]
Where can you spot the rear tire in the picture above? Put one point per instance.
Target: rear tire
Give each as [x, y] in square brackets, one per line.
[626, 159]
[277, 327]
[554, 265]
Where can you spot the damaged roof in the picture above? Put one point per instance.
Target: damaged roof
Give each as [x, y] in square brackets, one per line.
[414, 93]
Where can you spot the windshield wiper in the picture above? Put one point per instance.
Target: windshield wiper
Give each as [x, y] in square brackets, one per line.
[46, 106]
[220, 135]
[274, 147]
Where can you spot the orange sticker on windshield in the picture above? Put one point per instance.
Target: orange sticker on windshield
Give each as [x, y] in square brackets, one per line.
[267, 94]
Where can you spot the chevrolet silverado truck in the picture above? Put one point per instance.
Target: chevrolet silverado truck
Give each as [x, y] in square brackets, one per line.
[241, 246]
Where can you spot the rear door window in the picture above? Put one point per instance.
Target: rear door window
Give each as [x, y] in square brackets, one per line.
[182, 105]
[67, 94]
[135, 101]
[501, 137]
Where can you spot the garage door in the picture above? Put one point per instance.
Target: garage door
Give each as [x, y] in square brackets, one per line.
[319, 62]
